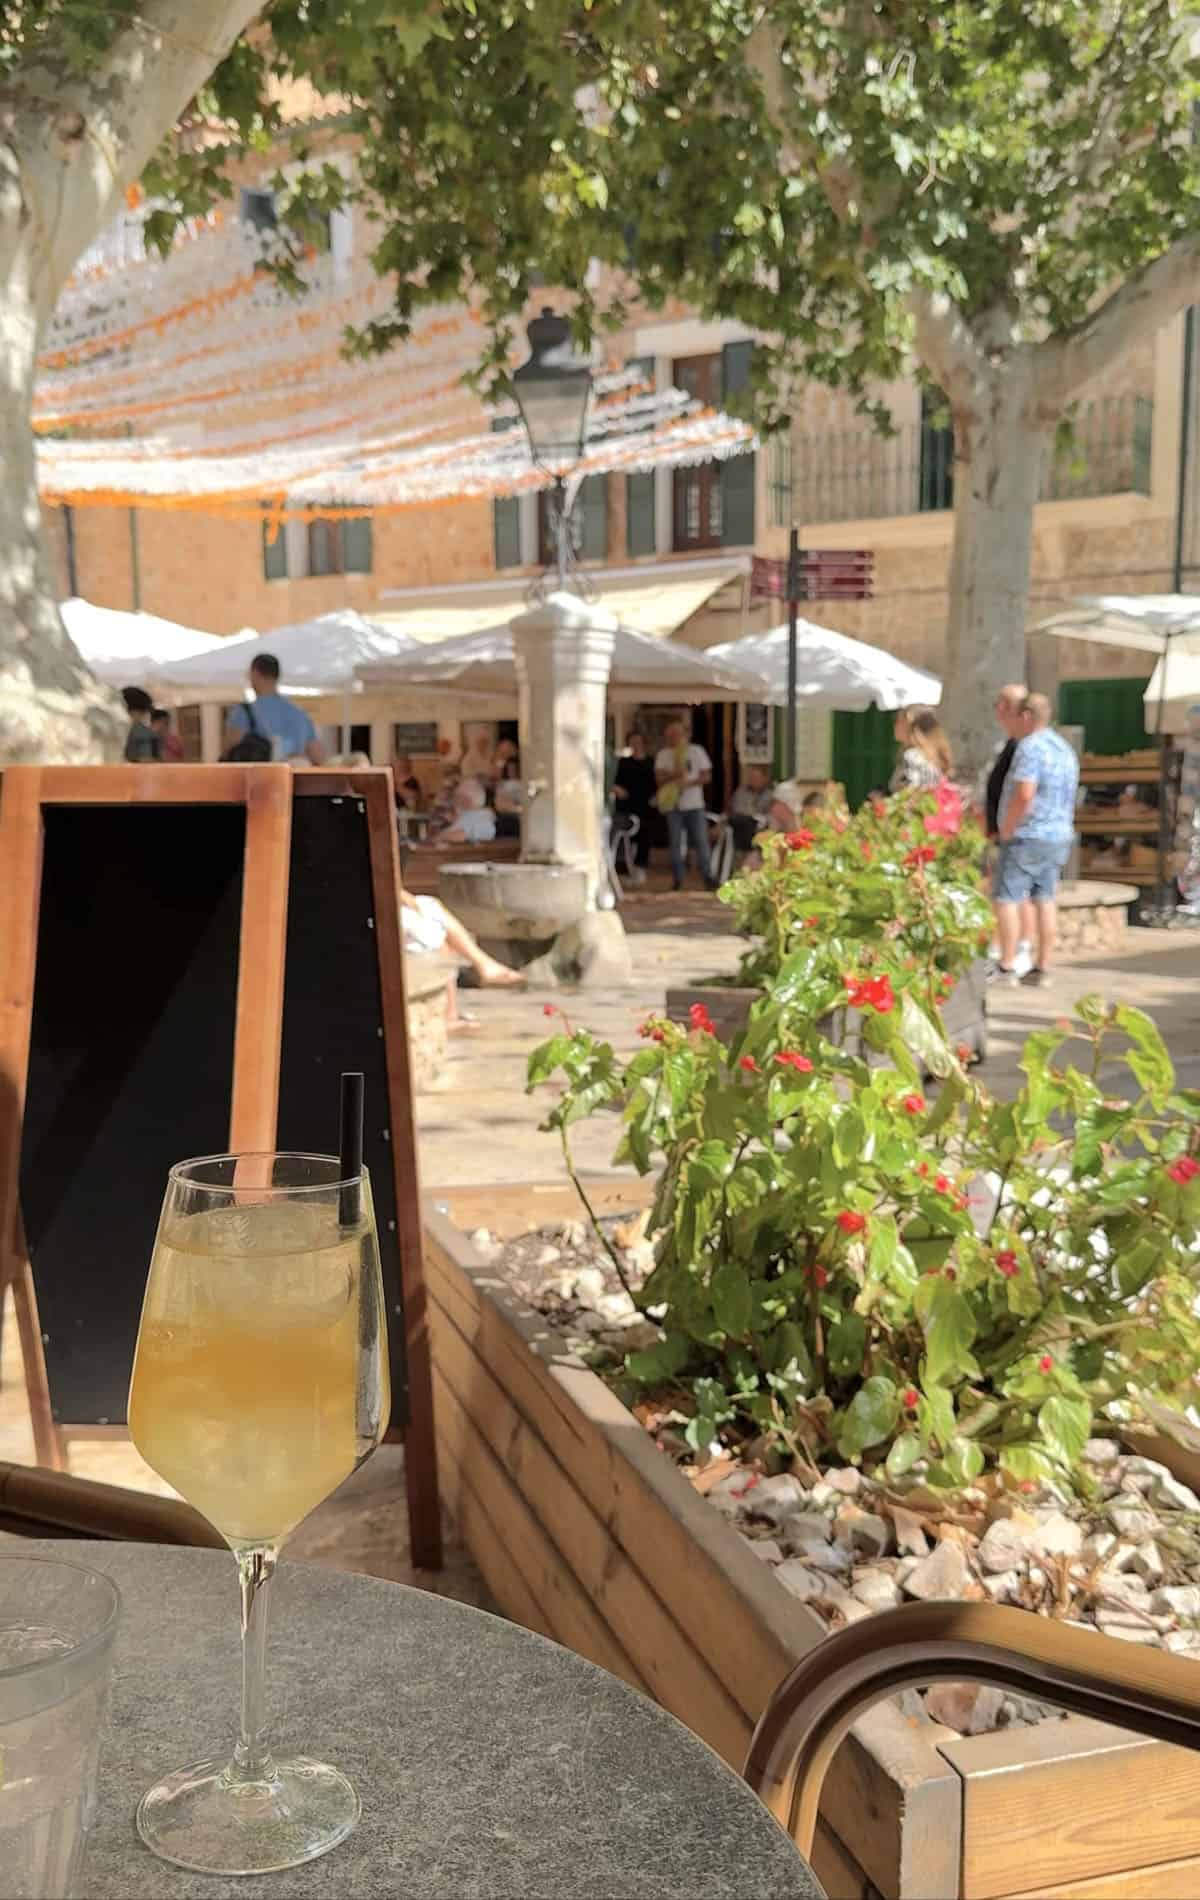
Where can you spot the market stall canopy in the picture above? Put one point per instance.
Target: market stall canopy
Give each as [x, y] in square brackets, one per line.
[643, 669]
[130, 649]
[654, 599]
[832, 670]
[317, 658]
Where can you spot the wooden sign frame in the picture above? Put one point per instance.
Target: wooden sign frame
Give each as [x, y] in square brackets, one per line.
[267, 793]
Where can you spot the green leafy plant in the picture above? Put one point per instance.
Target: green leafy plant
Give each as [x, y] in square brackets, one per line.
[904, 870]
[847, 1271]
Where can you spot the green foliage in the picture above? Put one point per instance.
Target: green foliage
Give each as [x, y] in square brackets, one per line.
[847, 1273]
[901, 870]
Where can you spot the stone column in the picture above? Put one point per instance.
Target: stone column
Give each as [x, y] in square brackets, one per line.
[211, 733]
[563, 652]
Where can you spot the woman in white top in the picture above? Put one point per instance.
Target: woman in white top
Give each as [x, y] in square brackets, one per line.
[926, 758]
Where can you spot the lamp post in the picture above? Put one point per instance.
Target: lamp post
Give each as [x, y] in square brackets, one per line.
[554, 392]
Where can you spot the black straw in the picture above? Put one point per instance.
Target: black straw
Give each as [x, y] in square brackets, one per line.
[350, 1149]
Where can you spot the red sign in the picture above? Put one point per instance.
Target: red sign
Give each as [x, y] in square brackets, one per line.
[836, 573]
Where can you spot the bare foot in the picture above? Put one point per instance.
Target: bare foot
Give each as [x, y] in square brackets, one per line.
[498, 976]
[464, 1026]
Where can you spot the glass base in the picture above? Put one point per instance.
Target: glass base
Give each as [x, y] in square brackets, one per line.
[201, 1819]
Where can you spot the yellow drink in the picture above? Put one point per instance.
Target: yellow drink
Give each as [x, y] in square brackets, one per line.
[251, 1393]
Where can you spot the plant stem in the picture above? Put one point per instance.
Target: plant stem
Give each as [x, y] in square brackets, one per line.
[252, 1757]
[599, 1232]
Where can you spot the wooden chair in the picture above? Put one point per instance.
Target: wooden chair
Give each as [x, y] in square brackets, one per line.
[1131, 1686]
[37, 1503]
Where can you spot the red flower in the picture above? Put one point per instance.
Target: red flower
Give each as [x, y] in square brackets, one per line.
[963, 1053]
[1045, 1363]
[923, 1170]
[946, 821]
[909, 1398]
[548, 1009]
[960, 1200]
[941, 1183]
[700, 1019]
[1183, 1170]
[949, 1273]
[658, 1034]
[789, 1059]
[850, 1222]
[812, 923]
[820, 1276]
[867, 853]
[800, 840]
[750, 1065]
[1006, 1263]
[870, 992]
[921, 854]
[1028, 1485]
[915, 1104]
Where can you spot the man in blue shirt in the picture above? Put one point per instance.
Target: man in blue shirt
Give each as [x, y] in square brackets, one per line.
[288, 727]
[1036, 831]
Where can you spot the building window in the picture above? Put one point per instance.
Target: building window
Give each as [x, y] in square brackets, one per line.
[936, 474]
[303, 550]
[779, 480]
[258, 208]
[713, 504]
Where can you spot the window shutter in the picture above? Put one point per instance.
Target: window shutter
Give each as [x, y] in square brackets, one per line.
[357, 544]
[275, 558]
[640, 513]
[738, 473]
[591, 508]
[736, 362]
[506, 513]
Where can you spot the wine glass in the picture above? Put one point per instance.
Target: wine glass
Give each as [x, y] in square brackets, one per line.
[260, 1382]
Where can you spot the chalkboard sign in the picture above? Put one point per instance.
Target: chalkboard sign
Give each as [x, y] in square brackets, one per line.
[417, 738]
[189, 957]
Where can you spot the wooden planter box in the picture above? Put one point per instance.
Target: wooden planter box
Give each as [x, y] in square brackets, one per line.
[587, 1533]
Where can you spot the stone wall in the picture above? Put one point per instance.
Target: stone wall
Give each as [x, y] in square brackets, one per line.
[427, 980]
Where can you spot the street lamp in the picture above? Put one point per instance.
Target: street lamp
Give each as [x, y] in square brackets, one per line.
[553, 391]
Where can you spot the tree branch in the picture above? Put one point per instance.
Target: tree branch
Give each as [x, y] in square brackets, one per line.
[944, 342]
[78, 139]
[1063, 364]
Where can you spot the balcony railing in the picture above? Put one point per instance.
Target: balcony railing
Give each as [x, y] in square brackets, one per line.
[859, 475]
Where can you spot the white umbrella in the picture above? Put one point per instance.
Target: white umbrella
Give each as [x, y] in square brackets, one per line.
[831, 670]
[1167, 625]
[643, 669]
[317, 658]
[127, 649]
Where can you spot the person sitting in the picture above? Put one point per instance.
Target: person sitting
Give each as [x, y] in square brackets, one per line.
[428, 929]
[508, 795]
[171, 743]
[926, 759]
[474, 822]
[750, 806]
[407, 784]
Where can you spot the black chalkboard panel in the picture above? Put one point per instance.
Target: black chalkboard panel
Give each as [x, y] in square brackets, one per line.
[130, 1066]
[333, 1017]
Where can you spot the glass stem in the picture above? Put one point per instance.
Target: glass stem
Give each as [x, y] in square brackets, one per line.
[252, 1757]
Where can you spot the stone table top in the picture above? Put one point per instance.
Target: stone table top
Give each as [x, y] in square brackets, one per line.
[492, 1764]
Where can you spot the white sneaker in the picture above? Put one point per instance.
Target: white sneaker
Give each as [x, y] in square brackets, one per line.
[1023, 961]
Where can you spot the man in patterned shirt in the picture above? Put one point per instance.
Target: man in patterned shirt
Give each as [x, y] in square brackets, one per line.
[1037, 828]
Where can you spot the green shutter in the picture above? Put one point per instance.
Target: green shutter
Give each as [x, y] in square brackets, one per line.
[1110, 711]
[737, 474]
[640, 511]
[737, 360]
[737, 502]
[275, 565]
[357, 545]
[864, 752]
[591, 509]
[506, 530]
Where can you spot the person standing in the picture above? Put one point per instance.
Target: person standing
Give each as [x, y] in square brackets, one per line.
[682, 771]
[1010, 717]
[635, 784]
[286, 728]
[1036, 830]
[142, 744]
[925, 759]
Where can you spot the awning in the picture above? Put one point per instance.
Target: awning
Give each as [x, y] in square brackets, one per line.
[654, 599]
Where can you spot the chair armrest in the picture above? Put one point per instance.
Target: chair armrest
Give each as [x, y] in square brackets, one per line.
[38, 1503]
[1126, 1684]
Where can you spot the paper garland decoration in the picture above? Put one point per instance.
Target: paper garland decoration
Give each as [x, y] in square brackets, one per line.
[195, 382]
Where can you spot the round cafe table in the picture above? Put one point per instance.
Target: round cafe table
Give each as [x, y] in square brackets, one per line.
[492, 1764]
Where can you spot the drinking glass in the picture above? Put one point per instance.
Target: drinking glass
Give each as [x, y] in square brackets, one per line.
[57, 1624]
[260, 1382]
